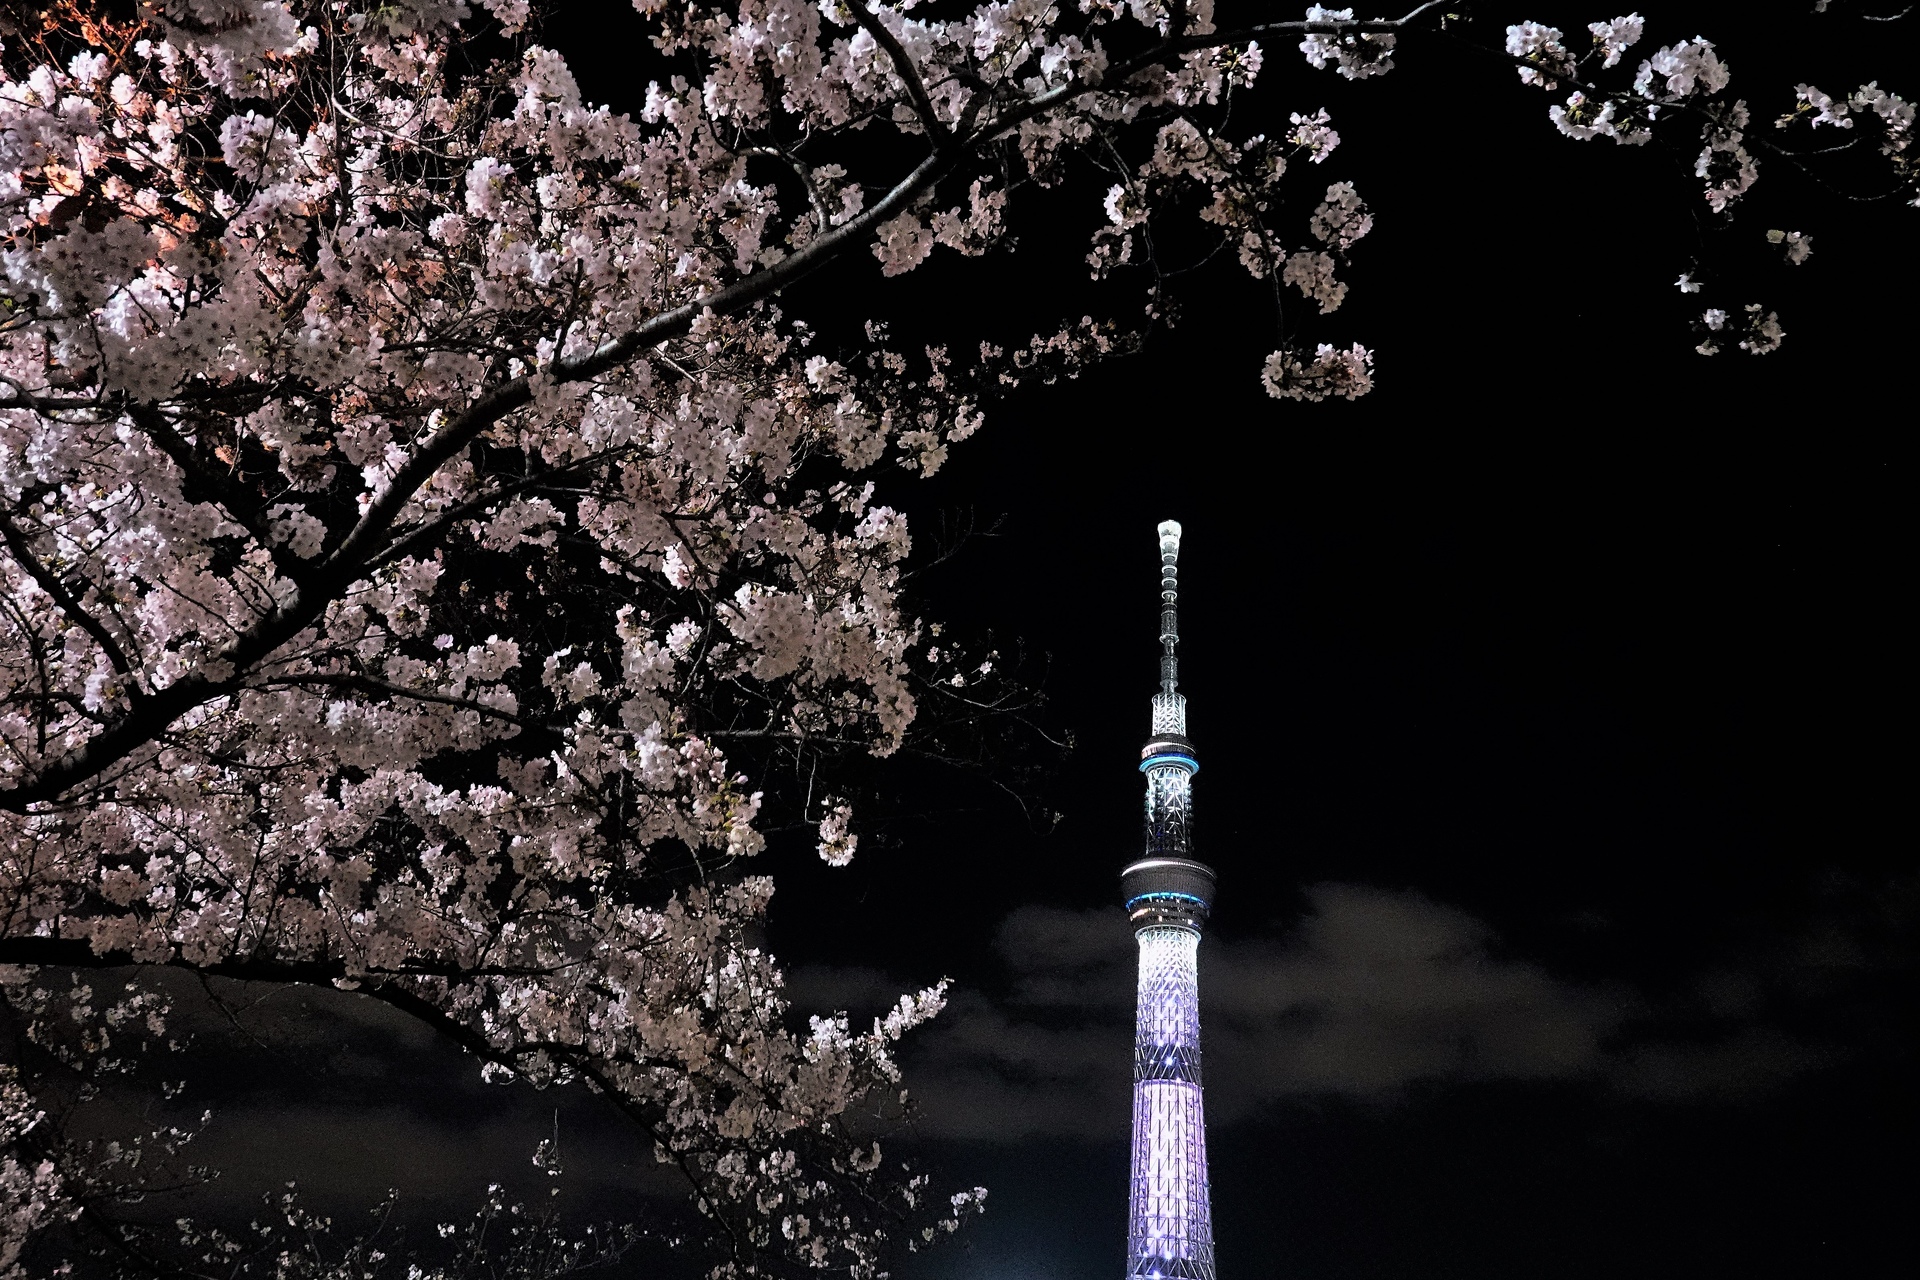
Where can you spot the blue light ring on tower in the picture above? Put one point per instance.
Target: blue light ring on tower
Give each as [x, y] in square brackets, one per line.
[1177, 897]
[1169, 750]
[1167, 891]
[1168, 875]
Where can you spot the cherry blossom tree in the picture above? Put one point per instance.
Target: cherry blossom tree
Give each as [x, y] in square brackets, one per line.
[419, 503]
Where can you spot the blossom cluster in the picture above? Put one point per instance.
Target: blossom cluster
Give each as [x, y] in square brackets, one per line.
[1354, 55]
[1888, 116]
[1330, 374]
[1684, 86]
[1753, 329]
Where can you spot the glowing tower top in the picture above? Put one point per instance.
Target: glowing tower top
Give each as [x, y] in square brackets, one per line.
[1168, 895]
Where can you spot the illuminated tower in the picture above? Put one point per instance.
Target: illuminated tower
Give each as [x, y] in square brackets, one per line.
[1170, 1222]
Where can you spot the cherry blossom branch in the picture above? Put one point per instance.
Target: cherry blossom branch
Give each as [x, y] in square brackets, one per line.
[240, 502]
[804, 171]
[1119, 74]
[368, 684]
[476, 1043]
[1708, 112]
[317, 586]
[79, 953]
[320, 585]
[645, 1119]
[418, 538]
[22, 552]
[1179, 43]
[119, 1238]
[902, 67]
[23, 398]
[783, 735]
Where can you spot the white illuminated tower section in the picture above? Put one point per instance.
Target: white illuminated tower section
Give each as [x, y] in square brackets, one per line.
[1170, 1222]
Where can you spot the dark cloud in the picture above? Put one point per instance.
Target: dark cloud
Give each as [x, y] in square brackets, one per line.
[347, 1097]
[1368, 994]
[1376, 991]
[1749, 1061]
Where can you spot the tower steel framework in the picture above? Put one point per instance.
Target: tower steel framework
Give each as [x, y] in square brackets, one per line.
[1168, 895]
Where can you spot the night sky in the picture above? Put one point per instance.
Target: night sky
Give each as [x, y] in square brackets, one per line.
[1553, 707]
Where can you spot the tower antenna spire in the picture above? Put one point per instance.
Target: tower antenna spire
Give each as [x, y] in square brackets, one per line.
[1168, 896]
[1169, 606]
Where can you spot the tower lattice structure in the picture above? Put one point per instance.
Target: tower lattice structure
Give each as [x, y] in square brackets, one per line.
[1168, 895]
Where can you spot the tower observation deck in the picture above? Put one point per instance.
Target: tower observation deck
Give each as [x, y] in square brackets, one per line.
[1168, 895]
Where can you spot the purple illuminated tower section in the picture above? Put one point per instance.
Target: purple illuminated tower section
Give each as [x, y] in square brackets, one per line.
[1170, 1222]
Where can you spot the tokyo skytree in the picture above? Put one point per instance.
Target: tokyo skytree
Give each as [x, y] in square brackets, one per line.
[1168, 894]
